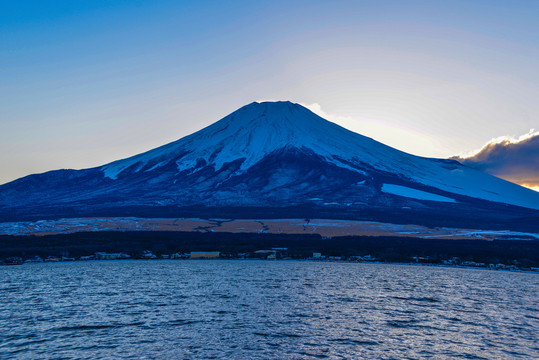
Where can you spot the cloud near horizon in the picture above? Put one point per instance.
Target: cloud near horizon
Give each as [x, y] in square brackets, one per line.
[512, 159]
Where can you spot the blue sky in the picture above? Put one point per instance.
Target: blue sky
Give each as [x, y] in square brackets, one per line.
[88, 82]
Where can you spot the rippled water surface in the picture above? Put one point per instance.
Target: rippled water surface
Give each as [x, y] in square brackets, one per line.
[265, 310]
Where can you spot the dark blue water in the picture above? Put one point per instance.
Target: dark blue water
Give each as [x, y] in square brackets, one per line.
[265, 310]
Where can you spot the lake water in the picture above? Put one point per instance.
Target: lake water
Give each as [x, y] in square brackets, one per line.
[265, 310]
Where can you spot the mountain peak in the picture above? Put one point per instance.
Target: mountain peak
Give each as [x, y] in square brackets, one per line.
[250, 133]
[282, 112]
[246, 137]
[281, 104]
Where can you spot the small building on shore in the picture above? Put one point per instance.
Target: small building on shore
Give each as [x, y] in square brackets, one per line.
[205, 254]
[111, 256]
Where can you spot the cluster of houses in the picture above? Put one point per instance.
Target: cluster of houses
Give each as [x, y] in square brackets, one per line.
[267, 254]
[455, 261]
[147, 255]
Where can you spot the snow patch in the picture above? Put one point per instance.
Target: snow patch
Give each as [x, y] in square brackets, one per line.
[157, 165]
[414, 193]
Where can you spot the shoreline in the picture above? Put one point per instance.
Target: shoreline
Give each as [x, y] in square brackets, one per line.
[31, 263]
[476, 253]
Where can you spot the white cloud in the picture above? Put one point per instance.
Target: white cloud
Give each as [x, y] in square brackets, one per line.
[506, 140]
[512, 158]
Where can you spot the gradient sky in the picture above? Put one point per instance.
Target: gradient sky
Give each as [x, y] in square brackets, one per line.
[84, 83]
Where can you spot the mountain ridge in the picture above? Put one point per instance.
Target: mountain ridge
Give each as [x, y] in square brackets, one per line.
[270, 126]
[271, 155]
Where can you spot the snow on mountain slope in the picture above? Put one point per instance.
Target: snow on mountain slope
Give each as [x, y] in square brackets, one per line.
[255, 131]
[413, 193]
[259, 129]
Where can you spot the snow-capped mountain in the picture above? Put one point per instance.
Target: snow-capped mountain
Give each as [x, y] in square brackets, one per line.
[265, 157]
